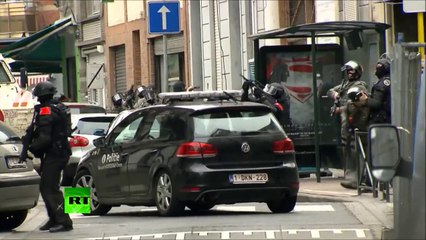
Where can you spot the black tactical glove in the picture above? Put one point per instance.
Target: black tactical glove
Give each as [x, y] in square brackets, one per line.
[23, 156]
[246, 85]
[257, 93]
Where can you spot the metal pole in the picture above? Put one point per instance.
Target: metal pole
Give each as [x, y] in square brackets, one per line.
[421, 33]
[316, 108]
[256, 60]
[165, 80]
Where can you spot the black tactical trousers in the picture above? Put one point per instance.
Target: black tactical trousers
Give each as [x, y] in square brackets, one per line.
[49, 188]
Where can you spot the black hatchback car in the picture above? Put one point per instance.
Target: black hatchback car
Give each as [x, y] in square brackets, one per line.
[195, 154]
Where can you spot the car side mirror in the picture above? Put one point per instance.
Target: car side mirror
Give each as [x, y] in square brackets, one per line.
[99, 142]
[384, 151]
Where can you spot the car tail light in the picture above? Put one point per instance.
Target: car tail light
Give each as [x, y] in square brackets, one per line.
[78, 141]
[283, 146]
[196, 150]
[190, 189]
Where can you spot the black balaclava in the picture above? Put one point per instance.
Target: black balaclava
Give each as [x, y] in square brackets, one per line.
[45, 98]
[381, 71]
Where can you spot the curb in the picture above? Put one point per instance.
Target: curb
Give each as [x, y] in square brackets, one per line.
[311, 197]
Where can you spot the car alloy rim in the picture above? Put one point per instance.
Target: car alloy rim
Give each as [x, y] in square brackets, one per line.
[87, 182]
[164, 191]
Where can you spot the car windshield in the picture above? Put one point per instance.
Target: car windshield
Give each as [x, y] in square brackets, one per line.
[7, 134]
[235, 123]
[92, 125]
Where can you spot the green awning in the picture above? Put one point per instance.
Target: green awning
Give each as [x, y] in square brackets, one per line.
[40, 51]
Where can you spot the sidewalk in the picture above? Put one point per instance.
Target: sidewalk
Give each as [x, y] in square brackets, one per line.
[365, 207]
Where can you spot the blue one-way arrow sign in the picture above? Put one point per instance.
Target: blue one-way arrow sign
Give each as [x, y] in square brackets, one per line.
[163, 17]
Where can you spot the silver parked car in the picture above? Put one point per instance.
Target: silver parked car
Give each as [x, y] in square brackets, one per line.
[19, 182]
[87, 127]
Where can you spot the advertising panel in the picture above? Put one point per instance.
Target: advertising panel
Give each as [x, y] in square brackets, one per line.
[291, 66]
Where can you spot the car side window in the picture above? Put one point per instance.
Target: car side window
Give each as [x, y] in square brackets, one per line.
[168, 126]
[126, 130]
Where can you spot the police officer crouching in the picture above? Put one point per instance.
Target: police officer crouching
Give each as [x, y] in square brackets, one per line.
[49, 142]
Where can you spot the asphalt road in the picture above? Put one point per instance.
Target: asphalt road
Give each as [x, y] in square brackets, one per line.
[309, 220]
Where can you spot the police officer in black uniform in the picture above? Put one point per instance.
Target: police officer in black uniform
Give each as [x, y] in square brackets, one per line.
[52, 126]
[379, 102]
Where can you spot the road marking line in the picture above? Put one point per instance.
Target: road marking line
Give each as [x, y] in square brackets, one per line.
[360, 233]
[315, 234]
[314, 208]
[270, 234]
[76, 216]
[180, 236]
[224, 235]
[148, 209]
[236, 208]
[247, 233]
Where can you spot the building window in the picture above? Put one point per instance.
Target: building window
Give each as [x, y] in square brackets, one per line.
[363, 3]
[93, 7]
[176, 70]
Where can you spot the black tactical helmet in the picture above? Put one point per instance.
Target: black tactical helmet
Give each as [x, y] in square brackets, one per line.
[352, 65]
[179, 86]
[44, 88]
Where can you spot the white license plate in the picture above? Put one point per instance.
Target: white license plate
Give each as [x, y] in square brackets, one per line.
[248, 178]
[13, 162]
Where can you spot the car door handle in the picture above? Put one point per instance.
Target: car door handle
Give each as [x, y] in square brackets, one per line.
[153, 151]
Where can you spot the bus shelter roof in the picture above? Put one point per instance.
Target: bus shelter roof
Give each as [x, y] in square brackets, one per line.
[337, 28]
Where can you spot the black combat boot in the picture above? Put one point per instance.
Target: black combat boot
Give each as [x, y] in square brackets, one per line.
[348, 184]
[47, 226]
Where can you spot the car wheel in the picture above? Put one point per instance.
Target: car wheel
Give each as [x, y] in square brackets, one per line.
[196, 206]
[13, 219]
[282, 206]
[165, 197]
[85, 179]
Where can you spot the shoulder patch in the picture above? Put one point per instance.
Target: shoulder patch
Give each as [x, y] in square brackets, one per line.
[387, 82]
[45, 111]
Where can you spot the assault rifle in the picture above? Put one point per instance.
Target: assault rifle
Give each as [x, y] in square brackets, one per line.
[27, 139]
[258, 92]
[337, 102]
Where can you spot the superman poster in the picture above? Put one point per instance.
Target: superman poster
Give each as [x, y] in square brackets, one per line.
[291, 66]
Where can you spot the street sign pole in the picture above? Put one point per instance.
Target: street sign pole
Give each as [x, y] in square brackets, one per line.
[164, 10]
[165, 65]
[164, 19]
